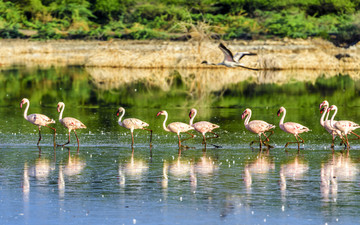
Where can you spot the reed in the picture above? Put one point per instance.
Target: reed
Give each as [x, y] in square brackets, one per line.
[311, 54]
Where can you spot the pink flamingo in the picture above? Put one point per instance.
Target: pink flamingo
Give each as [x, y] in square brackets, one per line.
[326, 122]
[132, 124]
[202, 127]
[69, 122]
[344, 126]
[291, 128]
[257, 127]
[176, 127]
[37, 119]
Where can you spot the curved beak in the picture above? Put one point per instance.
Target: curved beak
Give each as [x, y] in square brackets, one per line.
[278, 113]
[322, 110]
[190, 114]
[21, 104]
[159, 113]
[58, 108]
[243, 115]
[321, 105]
[118, 113]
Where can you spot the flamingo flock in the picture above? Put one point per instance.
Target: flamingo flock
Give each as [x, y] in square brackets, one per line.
[341, 128]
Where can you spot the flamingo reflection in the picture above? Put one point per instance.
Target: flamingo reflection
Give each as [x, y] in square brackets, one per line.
[75, 165]
[339, 168]
[261, 165]
[295, 170]
[135, 168]
[205, 165]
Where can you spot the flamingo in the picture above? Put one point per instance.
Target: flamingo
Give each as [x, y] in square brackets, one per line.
[344, 126]
[132, 124]
[176, 127]
[257, 126]
[202, 127]
[37, 119]
[69, 122]
[291, 128]
[326, 122]
[229, 59]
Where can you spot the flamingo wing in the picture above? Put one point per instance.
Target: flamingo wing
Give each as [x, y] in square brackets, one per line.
[177, 127]
[259, 126]
[39, 119]
[204, 126]
[228, 56]
[72, 123]
[295, 128]
[134, 123]
[346, 126]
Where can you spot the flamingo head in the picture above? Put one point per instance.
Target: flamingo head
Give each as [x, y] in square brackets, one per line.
[59, 105]
[333, 107]
[120, 110]
[322, 110]
[324, 103]
[160, 113]
[280, 111]
[192, 112]
[23, 101]
[246, 112]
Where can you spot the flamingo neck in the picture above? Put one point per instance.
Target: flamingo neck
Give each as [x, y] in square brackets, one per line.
[282, 118]
[322, 121]
[332, 118]
[120, 118]
[61, 112]
[246, 122]
[26, 110]
[164, 123]
[192, 118]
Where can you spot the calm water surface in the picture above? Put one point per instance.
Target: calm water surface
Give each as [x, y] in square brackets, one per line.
[105, 181]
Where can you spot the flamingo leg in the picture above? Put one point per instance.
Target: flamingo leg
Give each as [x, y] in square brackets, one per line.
[150, 135]
[179, 140]
[192, 136]
[355, 135]
[204, 139]
[76, 138]
[132, 138]
[216, 135]
[39, 136]
[66, 142]
[54, 133]
[267, 139]
[297, 141]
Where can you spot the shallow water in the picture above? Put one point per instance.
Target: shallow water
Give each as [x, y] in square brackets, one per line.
[106, 181]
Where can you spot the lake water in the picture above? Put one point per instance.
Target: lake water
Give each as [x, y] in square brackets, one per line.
[106, 181]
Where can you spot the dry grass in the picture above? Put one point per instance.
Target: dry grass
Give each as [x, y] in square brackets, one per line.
[285, 54]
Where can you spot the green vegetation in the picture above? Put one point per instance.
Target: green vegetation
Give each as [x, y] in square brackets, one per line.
[337, 20]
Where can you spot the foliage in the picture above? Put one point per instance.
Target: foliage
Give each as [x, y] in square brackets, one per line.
[162, 19]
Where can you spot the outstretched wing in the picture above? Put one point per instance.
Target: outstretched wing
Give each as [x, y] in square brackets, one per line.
[239, 55]
[228, 56]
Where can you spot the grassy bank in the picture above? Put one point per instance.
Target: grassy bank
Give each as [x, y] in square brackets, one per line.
[310, 54]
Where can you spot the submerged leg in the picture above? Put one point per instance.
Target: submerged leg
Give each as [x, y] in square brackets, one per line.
[66, 142]
[132, 138]
[39, 136]
[76, 138]
[191, 136]
[297, 141]
[150, 135]
[54, 133]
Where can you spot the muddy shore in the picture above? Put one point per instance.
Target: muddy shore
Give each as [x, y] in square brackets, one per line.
[286, 54]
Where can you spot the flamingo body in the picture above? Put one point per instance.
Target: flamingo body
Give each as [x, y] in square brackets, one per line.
[291, 127]
[229, 59]
[69, 122]
[202, 127]
[175, 127]
[37, 119]
[256, 126]
[132, 124]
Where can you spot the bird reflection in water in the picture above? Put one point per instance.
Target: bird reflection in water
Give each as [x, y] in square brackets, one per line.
[41, 169]
[74, 165]
[294, 169]
[261, 165]
[26, 183]
[339, 168]
[135, 169]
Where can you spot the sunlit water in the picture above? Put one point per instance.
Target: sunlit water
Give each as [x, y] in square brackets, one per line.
[105, 181]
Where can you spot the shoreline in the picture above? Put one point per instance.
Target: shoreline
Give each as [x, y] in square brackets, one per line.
[285, 54]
